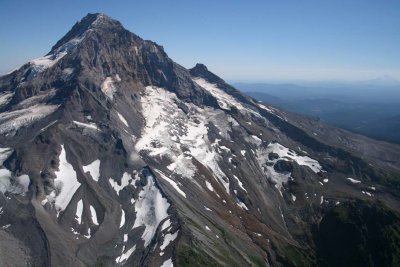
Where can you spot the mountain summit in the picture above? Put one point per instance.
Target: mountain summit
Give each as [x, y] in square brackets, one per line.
[112, 154]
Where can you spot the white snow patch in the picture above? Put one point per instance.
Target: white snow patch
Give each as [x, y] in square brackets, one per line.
[94, 169]
[94, 215]
[167, 263]
[326, 180]
[258, 141]
[241, 204]
[239, 182]
[271, 110]
[122, 222]
[172, 183]
[207, 209]
[122, 119]
[168, 239]
[90, 125]
[353, 181]
[166, 224]
[367, 193]
[151, 208]
[88, 234]
[209, 186]
[79, 211]
[5, 184]
[207, 228]
[47, 126]
[125, 255]
[293, 197]
[243, 152]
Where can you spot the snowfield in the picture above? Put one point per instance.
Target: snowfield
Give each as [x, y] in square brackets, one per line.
[49, 61]
[286, 154]
[151, 209]
[65, 183]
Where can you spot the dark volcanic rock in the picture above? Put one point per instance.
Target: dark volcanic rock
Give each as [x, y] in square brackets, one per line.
[283, 166]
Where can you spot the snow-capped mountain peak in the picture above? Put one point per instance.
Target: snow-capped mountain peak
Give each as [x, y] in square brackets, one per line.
[112, 154]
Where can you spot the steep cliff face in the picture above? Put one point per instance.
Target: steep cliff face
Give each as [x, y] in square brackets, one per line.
[112, 154]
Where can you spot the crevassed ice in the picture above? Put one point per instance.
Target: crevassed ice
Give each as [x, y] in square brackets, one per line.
[168, 129]
[14, 120]
[5, 98]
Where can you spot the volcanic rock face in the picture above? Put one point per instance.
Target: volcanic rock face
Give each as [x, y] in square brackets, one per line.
[112, 154]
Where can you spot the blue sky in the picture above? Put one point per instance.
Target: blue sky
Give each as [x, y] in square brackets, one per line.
[239, 40]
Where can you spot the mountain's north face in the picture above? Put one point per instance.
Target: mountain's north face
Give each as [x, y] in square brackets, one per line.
[112, 154]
